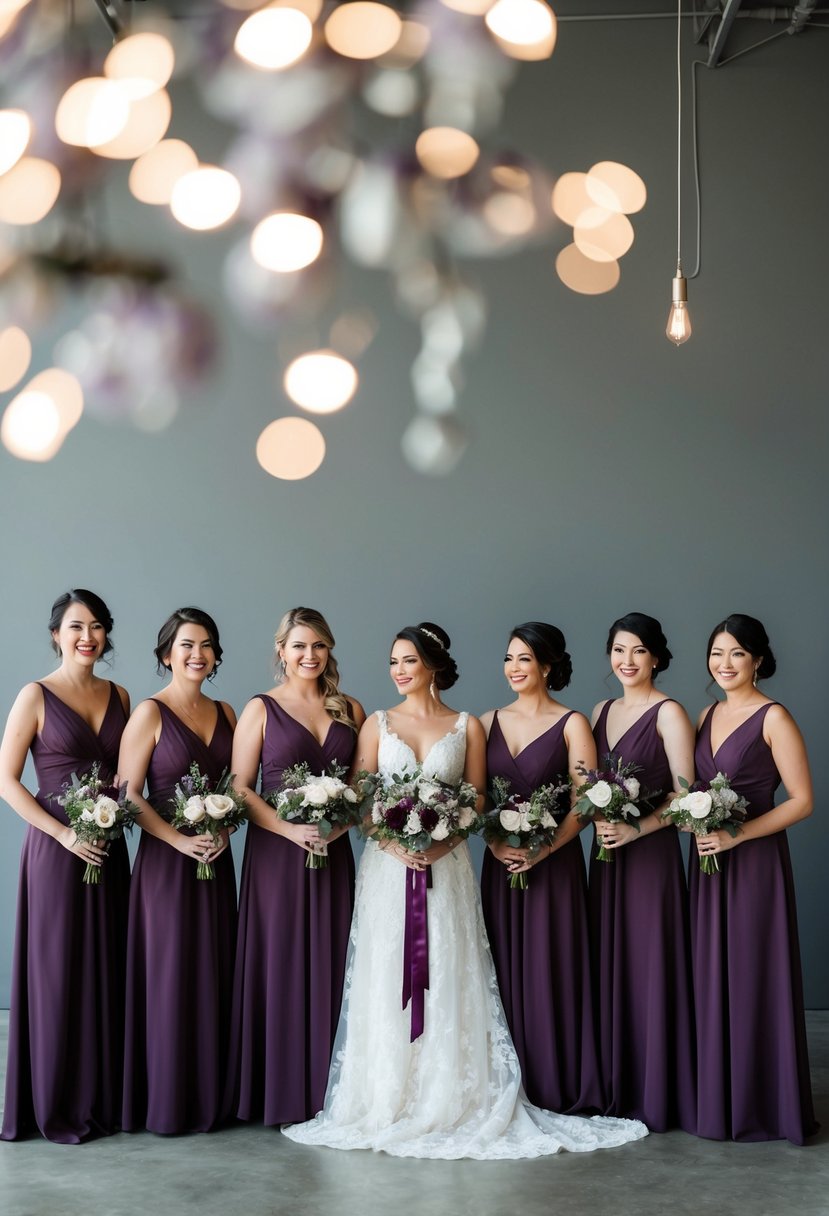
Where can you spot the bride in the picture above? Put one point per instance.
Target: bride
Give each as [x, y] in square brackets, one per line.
[455, 1090]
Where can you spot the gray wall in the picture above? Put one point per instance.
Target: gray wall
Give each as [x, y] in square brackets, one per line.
[608, 470]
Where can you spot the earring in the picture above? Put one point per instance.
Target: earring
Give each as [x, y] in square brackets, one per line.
[754, 677]
[432, 688]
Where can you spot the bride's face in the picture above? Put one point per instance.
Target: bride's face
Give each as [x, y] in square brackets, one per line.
[407, 670]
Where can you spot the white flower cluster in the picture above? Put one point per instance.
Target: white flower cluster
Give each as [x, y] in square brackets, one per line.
[601, 795]
[103, 812]
[717, 797]
[519, 818]
[318, 793]
[213, 806]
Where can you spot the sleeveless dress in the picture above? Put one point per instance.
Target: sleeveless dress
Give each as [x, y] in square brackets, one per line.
[641, 953]
[293, 935]
[66, 1024]
[456, 1090]
[182, 933]
[753, 1061]
[540, 943]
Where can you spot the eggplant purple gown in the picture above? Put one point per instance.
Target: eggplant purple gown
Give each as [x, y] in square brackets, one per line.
[63, 1077]
[753, 1061]
[182, 935]
[641, 953]
[294, 924]
[540, 944]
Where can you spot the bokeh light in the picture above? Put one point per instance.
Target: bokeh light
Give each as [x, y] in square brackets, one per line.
[321, 381]
[15, 133]
[525, 29]
[290, 448]
[31, 426]
[606, 240]
[274, 38]
[28, 192]
[142, 63]
[583, 274]
[148, 120]
[446, 152]
[205, 198]
[154, 174]
[92, 111]
[362, 29]
[616, 187]
[15, 356]
[286, 241]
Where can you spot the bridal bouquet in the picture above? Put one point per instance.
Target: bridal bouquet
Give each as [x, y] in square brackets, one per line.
[325, 801]
[418, 811]
[97, 811]
[706, 808]
[523, 823]
[613, 792]
[210, 807]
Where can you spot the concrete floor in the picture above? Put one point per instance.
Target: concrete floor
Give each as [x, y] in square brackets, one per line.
[253, 1171]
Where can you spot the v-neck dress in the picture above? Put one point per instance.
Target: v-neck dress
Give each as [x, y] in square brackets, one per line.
[540, 943]
[293, 934]
[753, 1061]
[182, 935]
[641, 952]
[66, 1024]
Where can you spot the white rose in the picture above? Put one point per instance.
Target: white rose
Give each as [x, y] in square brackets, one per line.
[630, 809]
[698, 804]
[510, 820]
[218, 805]
[105, 812]
[728, 798]
[441, 830]
[332, 786]
[632, 788]
[413, 825]
[466, 818]
[87, 816]
[526, 824]
[547, 820]
[315, 794]
[601, 794]
[428, 791]
[349, 795]
[194, 809]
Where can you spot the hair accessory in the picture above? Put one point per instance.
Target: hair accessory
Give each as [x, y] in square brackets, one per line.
[431, 635]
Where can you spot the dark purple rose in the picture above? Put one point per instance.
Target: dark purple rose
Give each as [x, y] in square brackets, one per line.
[396, 817]
[429, 818]
[110, 791]
[406, 804]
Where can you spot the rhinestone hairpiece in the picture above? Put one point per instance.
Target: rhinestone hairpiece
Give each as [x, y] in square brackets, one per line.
[431, 635]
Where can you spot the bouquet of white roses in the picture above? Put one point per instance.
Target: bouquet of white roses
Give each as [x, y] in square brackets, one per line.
[613, 792]
[324, 800]
[418, 811]
[703, 809]
[209, 807]
[97, 811]
[524, 823]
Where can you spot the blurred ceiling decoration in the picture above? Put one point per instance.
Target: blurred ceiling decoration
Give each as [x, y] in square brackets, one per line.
[358, 130]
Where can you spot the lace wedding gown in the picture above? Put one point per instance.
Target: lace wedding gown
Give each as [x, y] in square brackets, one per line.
[456, 1090]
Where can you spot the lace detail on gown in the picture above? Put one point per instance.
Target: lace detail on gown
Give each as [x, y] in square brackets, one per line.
[456, 1091]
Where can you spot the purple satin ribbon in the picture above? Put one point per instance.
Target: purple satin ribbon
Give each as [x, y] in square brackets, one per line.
[416, 947]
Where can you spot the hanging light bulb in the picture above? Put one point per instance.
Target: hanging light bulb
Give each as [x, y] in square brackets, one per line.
[678, 328]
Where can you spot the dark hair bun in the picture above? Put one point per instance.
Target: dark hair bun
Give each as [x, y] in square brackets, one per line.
[432, 644]
[752, 636]
[549, 647]
[649, 632]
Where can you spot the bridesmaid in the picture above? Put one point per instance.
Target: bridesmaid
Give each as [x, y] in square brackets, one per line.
[753, 1063]
[63, 1077]
[182, 930]
[638, 900]
[539, 936]
[293, 921]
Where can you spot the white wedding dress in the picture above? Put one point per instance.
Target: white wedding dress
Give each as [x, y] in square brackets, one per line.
[456, 1091]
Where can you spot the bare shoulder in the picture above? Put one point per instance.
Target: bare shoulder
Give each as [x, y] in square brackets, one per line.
[597, 709]
[146, 714]
[671, 713]
[576, 721]
[779, 722]
[487, 719]
[703, 714]
[370, 728]
[229, 712]
[474, 729]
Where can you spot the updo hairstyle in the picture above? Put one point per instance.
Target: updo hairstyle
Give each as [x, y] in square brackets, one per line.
[649, 632]
[752, 636]
[550, 649]
[432, 644]
[79, 595]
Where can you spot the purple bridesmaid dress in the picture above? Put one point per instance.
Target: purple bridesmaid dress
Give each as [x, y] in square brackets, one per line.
[182, 934]
[540, 944]
[753, 1062]
[293, 933]
[63, 1077]
[641, 953]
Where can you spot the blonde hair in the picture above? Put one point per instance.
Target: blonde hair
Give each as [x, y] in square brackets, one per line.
[336, 703]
